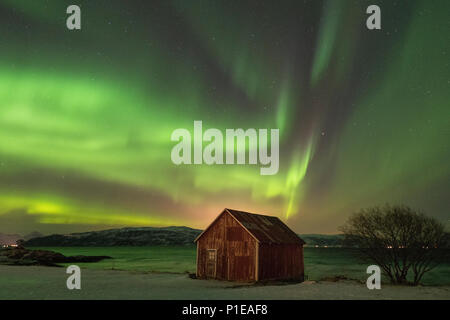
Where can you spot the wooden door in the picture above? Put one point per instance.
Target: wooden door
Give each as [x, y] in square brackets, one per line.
[211, 263]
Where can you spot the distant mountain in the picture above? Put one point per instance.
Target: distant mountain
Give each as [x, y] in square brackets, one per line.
[148, 236]
[32, 235]
[8, 239]
[321, 240]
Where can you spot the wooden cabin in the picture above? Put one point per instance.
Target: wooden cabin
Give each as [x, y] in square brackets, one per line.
[248, 247]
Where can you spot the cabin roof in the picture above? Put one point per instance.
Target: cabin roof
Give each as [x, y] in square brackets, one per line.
[265, 229]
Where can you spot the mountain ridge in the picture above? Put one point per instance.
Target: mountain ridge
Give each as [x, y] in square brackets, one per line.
[127, 236]
[149, 236]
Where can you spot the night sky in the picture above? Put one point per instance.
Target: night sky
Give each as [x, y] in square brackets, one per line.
[86, 116]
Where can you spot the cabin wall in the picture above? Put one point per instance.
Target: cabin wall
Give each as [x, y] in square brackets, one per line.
[281, 261]
[236, 251]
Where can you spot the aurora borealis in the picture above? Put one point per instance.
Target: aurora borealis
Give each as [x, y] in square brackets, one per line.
[86, 116]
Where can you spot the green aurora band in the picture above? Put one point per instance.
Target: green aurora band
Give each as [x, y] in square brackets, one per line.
[86, 116]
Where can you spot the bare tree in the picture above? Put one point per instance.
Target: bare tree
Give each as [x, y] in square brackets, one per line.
[398, 239]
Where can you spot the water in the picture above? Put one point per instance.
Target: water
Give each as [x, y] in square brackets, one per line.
[320, 263]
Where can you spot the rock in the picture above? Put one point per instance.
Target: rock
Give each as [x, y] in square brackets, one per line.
[335, 278]
[86, 258]
[42, 257]
[307, 282]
